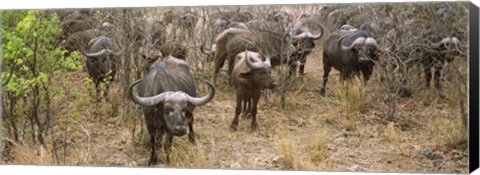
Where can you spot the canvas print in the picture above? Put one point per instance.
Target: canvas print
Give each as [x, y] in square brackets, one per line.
[360, 87]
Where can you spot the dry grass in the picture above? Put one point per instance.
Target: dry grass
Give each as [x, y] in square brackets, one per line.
[309, 134]
[393, 137]
[32, 156]
[348, 103]
[312, 155]
[341, 131]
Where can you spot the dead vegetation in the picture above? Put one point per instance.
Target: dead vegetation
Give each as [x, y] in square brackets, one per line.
[343, 131]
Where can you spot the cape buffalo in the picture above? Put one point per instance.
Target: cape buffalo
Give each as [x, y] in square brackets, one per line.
[222, 20]
[349, 52]
[281, 17]
[152, 31]
[102, 58]
[304, 44]
[233, 41]
[79, 41]
[152, 54]
[176, 49]
[250, 76]
[440, 53]
[168, 97]
[76, 20]
[149, 55]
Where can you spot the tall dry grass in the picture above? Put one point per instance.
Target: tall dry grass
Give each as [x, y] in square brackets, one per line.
[298, 155]
[348, 103]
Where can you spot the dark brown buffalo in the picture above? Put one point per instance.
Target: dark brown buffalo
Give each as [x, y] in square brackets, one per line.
[340, 16]
[152, 31]
[221, 20]
[153, 54]
[78, 41]
[312, 21]
[188, 20]
[72, 21]
[439, 53]
[176, 49]
[209, 53]
[150, 56]
[304, 45]
[281, 17]
[350, 53]
[231, 16]
[168, 95]
[250, 76]
[102, 57]
[185, 23]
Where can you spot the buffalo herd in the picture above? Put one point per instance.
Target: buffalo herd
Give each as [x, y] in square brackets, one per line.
[251, 44]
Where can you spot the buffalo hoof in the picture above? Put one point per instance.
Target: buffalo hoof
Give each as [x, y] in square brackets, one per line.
[322, 92]
[254, 128]
[152, 162]
[192, 140]
[246, 116]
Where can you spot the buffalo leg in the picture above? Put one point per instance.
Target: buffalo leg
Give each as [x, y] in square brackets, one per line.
[219, 62]
[105, 93]
[428, 75]
[244, 107]
[366, 75]
[231, 64]
[254, 113]
[191, 133]
[437, 75]
[247, 107]
[98, 92]
[293, 68]
[303, 61]
[238, 110]
[168, 146]
[326, 71]
[153, 154]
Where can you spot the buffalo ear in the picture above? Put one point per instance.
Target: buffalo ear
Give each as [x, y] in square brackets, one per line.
[245, 74]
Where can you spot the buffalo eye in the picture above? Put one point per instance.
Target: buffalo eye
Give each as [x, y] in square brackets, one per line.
[264, 72]
[169, 111]
[356, 51]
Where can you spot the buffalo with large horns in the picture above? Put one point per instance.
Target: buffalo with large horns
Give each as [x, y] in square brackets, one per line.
[438, 54]
[349, 52]
[102, 59]
[168, 97]
[250, 76]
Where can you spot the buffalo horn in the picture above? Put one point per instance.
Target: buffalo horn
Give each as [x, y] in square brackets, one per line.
[370, 41]
[267, 61]
[145, 101]
[203, 100]
[316, 37]
[357, 41]
[455, 40]
[99, 53]
[443, 41]
[251, 64]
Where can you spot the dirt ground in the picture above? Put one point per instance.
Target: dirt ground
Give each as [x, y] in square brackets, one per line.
[310, 133]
